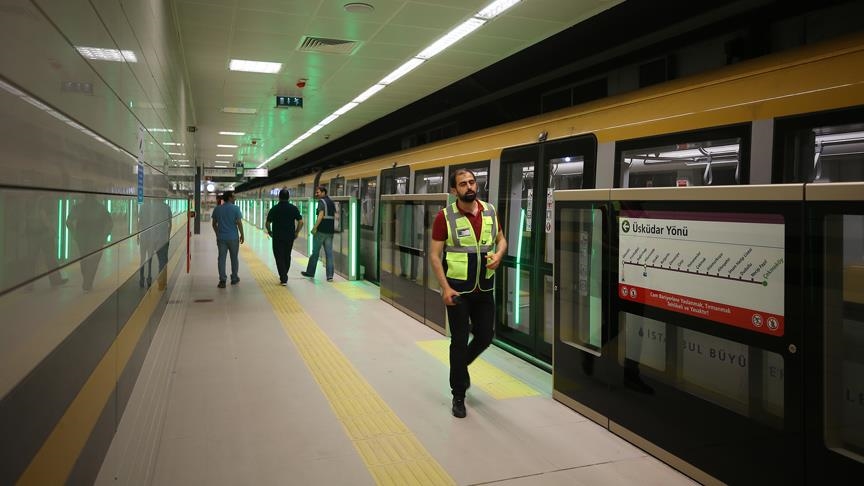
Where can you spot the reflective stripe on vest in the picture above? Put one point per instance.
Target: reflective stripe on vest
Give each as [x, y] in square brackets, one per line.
[465, 255]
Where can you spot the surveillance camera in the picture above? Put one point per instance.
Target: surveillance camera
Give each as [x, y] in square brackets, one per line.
[301, 83]
[254, 142]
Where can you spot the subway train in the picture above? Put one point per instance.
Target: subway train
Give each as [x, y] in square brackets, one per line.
[687, 259]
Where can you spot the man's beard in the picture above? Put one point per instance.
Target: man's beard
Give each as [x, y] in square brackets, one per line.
[468, 197]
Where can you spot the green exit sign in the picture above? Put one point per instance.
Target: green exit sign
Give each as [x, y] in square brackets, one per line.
[286, 101]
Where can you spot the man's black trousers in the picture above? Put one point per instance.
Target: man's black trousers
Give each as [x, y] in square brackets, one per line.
[478, 308]
[282, 253]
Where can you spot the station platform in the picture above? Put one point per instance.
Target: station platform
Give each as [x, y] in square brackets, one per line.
[322, 383]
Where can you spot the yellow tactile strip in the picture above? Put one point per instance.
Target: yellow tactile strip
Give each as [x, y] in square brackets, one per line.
[388, 448]
[488, 378]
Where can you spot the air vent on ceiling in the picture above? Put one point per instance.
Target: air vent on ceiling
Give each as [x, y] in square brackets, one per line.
[330, 46]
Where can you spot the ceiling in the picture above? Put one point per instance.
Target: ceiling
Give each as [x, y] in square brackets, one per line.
[214, 31]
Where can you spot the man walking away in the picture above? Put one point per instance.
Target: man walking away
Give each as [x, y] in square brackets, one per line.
[468, 233]
[322, 234]
[280, 227]
[228, 226]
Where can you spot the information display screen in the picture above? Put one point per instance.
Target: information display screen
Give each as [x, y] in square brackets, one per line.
[723, 267]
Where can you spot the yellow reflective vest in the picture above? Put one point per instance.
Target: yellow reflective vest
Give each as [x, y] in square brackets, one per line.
[465, 254]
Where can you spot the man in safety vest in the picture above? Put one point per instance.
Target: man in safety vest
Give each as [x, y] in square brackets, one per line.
[468, 234]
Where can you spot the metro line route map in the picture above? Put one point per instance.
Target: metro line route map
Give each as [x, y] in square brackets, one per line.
[727, 268]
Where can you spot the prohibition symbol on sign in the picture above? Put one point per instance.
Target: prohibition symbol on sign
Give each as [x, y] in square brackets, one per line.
[773, 324]
[757, 320]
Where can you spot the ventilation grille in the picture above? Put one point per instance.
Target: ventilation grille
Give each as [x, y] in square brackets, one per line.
[329, 46]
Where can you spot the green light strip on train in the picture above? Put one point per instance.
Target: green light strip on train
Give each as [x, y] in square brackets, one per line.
[59, 229]
[109, 213]
[353, 216]
[66, 233]
[518, 267]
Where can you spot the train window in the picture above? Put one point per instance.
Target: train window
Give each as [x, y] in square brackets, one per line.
[823, 147]
[368, 199]
[481, 174]
[429, 181]
[715, 157]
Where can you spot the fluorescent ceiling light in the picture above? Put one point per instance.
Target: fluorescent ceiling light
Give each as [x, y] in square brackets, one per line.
[368, 93]
[345, 109]
[184, 165]
[496, 8]
[160, 130]
[224, 155]
[171, 143]
[239, 111]
[176, 153]
[222, 145]
[328, 120]
[232, 133]
[402, 70]
[451, 37]
[182, 160]
[254, 66]
[102, 54]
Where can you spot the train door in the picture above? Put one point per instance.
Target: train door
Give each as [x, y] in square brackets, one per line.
[524, 290]
[393, 181]
[368, 236]
[826, 151]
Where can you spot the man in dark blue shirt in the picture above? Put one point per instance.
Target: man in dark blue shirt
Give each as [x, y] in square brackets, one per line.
[228, 226]
[280, 227]
[323, 234]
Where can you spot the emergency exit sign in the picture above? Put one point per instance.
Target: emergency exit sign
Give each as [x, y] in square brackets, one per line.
[289, 101]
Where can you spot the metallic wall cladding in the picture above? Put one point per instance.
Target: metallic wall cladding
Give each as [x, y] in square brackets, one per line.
[34, 405]
[85, 113]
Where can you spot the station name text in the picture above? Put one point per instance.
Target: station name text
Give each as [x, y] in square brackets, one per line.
[656, 229]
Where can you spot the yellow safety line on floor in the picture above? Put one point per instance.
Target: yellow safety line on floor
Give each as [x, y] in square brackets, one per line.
[484, 376]
[388, 448]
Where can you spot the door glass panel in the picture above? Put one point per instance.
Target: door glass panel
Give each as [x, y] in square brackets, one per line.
[481, 175]
[548, 330]
[517, 300]
[429, 182]
[369, 196]
[843, 318]
[697, 163]
[518, 209]
[354, 188]
[581, 277]
[564, 173]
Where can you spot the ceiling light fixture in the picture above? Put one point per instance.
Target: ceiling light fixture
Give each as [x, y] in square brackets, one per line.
[102, 54]
[254, 66]
[224, 155]
[239, 111]
[233, 133]
[223, 145]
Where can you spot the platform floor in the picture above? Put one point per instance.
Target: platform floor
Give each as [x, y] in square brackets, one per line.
[322, 383]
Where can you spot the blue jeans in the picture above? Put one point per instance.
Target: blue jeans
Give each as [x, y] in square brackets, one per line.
[226, 246]
[319, 239]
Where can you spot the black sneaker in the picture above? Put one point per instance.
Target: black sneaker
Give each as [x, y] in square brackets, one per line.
[221, 284]
[283, 283]
[459, 408]
[329, 279]
[307, 274]
[235, 281]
